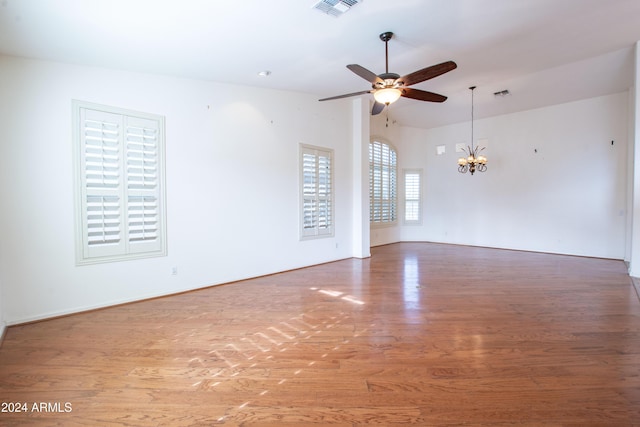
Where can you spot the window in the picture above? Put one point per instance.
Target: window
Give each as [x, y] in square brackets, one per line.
[316, 192]
[412, 196]
[382, 183]
[119, 158]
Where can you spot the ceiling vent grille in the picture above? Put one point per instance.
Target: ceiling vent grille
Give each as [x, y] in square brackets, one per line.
[335, 7]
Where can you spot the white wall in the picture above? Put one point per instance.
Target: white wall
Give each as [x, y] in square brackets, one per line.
[570, 197]
[2, 322]
[232, 185]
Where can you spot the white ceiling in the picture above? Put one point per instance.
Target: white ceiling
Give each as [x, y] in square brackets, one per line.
[543, 51]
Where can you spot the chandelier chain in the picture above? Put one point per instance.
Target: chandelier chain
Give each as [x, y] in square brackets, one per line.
[472, 89]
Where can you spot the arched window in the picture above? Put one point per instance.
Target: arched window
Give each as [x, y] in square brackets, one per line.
[383, 162]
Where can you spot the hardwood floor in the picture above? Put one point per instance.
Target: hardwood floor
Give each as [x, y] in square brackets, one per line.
[421, 334]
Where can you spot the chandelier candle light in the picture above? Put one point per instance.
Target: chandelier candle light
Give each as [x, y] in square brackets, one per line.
[474, 161]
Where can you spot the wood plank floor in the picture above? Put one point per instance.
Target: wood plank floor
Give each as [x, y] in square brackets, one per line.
[422, 334]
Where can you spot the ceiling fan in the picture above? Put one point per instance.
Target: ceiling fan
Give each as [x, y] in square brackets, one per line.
[388, 87]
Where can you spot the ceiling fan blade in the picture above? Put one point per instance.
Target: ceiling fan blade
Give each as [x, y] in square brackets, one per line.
[346, 95]
[422, 95]
[377, 108]
[369, 76]
[427, 73]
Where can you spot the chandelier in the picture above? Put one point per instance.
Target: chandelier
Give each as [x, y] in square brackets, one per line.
[474, 160]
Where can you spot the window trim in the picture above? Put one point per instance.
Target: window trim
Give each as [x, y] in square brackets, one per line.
[316, 232]
[80, 208]
[393, 191]
[419, 200]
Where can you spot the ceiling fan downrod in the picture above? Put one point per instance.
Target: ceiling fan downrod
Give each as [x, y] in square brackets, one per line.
[385, 37]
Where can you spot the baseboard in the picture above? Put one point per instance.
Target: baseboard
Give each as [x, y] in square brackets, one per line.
[505, 248]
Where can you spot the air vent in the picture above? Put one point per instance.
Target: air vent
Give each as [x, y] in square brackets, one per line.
[335, 7]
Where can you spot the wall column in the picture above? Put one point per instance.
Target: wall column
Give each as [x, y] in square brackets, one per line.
[634, 148]
[361, 235]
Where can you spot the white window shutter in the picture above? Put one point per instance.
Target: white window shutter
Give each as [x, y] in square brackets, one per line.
[101, 188]
[316, 192]
[309, 200]
[143, 187]
[382, 183]
[325, 208]
[120, 181]
[412, 196]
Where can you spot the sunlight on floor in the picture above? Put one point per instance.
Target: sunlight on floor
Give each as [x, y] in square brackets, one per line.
[258, 346]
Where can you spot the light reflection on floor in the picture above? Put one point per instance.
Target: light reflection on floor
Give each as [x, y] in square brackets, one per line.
[246, 353]
[411, 283]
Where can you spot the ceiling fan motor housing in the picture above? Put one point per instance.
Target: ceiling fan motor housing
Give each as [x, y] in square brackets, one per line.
[389, 80]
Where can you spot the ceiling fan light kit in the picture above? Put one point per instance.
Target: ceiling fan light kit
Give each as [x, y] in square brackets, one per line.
[388, 87]
[387, 95]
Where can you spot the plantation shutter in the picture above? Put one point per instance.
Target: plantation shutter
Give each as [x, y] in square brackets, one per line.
[102, 190]
[317, 192]
[382, 183]
[309, 186]
[143, 197]
[325, 221]
[412, 193]
[120, 206]
[375, 182]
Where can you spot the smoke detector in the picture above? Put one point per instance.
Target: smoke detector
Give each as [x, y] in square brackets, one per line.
[335, 7]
